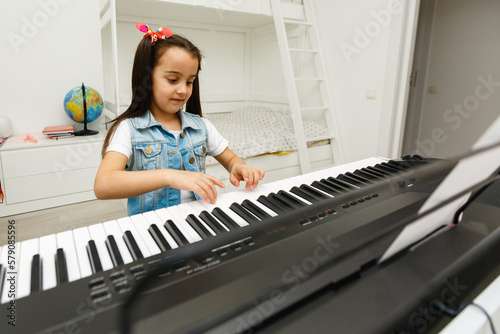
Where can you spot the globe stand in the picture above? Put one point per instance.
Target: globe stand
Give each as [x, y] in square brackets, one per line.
[85, 131]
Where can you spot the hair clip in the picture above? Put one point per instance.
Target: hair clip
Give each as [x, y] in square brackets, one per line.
[161, 33]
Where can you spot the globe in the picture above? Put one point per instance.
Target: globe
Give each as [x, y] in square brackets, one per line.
[73, 104]
[5, 127]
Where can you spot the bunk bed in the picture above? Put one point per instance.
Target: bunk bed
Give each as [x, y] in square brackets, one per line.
[242, 83]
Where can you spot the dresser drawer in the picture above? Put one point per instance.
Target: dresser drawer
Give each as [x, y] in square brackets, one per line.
[29, 188]
[44, 160]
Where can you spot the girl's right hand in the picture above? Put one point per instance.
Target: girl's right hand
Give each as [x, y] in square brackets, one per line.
[199, 183]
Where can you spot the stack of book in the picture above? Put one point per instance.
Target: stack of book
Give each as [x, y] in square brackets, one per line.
[56, 132]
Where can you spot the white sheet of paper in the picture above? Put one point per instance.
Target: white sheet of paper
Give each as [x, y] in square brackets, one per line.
[468, 172]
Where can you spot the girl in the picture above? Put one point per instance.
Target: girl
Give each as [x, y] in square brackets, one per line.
[154, 153]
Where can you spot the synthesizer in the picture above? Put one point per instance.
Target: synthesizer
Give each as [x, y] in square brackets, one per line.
[242, 265]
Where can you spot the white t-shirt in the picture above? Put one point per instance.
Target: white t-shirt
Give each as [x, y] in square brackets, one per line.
[121, 141]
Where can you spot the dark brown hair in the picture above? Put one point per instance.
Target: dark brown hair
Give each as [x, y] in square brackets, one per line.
[147, 56]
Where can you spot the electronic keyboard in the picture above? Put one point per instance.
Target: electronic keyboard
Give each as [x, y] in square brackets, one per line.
[242, 265]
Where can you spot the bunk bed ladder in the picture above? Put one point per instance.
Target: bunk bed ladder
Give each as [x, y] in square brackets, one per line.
[311, 48]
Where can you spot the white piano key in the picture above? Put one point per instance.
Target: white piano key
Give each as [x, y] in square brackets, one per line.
[180, 219]
[126, 224]
[2, 278]
[48, 249]
[177, 217]
[152, 218]
[65, 241]
[111, 227]
[202, 206]
[189, 210]
[4, 283]
[142, 227]
[82, 236]
[98, 234]
[10, 258]
[29, 248]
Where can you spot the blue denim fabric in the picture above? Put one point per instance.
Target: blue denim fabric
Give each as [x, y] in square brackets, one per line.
[155, 147]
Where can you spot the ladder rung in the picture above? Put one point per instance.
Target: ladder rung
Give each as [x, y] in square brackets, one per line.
[309, 79]
[304, 50]
[303, 23]
[314, 108]
[319, 138]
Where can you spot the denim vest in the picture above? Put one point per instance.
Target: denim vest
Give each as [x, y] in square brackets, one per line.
[155, 147]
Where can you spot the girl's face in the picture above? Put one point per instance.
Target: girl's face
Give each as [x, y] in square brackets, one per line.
[173, 79]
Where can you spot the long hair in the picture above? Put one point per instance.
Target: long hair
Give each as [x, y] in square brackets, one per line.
[147, 56]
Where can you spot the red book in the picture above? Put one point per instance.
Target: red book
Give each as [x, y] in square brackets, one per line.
[59, 129]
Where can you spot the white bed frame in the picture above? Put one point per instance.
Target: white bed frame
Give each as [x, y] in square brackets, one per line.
[261, 85]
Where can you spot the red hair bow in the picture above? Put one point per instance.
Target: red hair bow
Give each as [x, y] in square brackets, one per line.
[161, 33]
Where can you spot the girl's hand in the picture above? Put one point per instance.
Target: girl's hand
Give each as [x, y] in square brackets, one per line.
[202, 184]
[243, 172]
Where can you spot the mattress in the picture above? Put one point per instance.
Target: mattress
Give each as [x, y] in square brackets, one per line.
[254, 131]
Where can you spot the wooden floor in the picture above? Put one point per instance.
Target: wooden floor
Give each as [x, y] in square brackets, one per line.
[39, 223]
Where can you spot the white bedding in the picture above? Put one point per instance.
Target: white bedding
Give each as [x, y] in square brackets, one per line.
[257, 130]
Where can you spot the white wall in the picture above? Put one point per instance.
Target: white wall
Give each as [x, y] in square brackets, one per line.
[462, 58]
[66, 51]
[47, 48]
[222, 73]
[355, 43]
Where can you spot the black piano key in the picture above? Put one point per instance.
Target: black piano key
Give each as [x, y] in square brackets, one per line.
[132, 246]
[367, 175]
[61, 268]
[113, 250]
[333, 184]
[273, 197]
[339, 185]
[398, 165]
[351, 180]
[159, 238]
[388, 170]
[290, 199]
[326, 188]
[378, 170]
[359, 178]
[347, 186]
[225, 219]
[36, 274]
[313, 191]
[374, 172]
[253, 208]
[382, 170]
[243, 213]
[198, 226]
[279, 209]
[174, 231]
[95, 261]
[305, 195]
[391, 167]
[212, 222]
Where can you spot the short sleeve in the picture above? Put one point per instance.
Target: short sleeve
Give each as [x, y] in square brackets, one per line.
[216, 144]
[121, 140]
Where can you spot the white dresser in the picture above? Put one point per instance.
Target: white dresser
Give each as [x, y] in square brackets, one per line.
[48, 173]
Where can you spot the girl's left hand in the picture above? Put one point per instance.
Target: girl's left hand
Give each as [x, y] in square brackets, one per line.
[243, 172]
